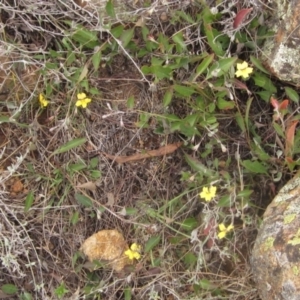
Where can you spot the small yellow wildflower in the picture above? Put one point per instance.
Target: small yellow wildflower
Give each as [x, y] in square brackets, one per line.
[208, 193]
[43, 101]
[133, 252]
[82, 100]
[243, 70]
[224, 230]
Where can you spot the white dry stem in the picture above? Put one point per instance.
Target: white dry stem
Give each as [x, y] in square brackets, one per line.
[13, 168]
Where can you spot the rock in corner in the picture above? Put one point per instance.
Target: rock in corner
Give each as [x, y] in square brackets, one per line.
[275, 259]
[281, 53]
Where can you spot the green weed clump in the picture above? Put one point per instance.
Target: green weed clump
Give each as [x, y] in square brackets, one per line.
[156, 119]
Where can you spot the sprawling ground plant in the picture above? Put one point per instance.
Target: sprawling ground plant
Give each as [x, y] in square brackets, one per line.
[154, 118]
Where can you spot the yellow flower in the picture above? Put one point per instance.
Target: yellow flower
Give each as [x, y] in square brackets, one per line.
[208, 193]
[243, 70]
[43, 101]
[82, 100]
[224, 230]
[133, 252]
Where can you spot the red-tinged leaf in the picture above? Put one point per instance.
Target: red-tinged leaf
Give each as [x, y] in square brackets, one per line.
[290, 163]
[240, 17]
[240, 85]
[289, 137]
[284, 104]
[289, 160]
[209, 231]
[274, 103]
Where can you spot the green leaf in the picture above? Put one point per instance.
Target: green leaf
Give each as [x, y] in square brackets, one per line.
[224, 201]
[160, 72]
[4, 119]
[256, 148]
[61, 291]
[70, 59]
[168, 97]
[74, 218]
[126, 36]
[184, 90]
[51, 66]
[292, 94]
[77, 167]
[265, 95]
[254, 167]
[66, 43]
[93, 162]
[219, 68]
[131, 211]
[202, 67]
[70, 145]
[86, 37]
[212, 39]
[245, 193]
[127, 293]
[226, 63]
[179, 40]
[279, 130]
[110, 10]
[94, 91]
[258, 64]
[247, 119]
[49, 90]
[83, 73]
[130, 102]
[240, 121]
[206, 284]
[96, 59]
[83, 200]
[197, 165]
[190, 260]
[263, 81]
[187, 129]
[26, 296]
[117, 31]
[191, 119]
[95, 174]
[223, 104]
[189, 224]
[152, 242]
[186, 17]
[53, 53]
[29, 201]
[9, 289]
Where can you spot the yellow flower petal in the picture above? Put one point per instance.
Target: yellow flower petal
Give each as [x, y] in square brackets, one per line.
[81, 96]
[230, 227]
[130, 254]
[208, 193]
[78, 103]
[135, 247]
[243, 70]
[213, 190]
[83, 102]
[224, 230]
[43, 101]
[242, 66]
[86, 101]
[133, 252]
[221, 234]
[222, 227]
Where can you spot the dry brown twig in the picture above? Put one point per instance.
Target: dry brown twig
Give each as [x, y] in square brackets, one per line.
[167, 149]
